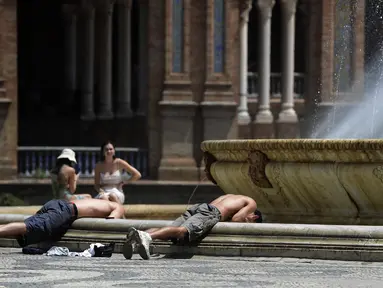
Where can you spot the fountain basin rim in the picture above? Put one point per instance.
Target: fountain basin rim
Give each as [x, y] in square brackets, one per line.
[292, 144]
[225, 228]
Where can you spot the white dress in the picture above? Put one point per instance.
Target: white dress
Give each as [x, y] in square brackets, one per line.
[110, 184]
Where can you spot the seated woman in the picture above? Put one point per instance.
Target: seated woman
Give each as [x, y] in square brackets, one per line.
[109, 178]
[64, 178]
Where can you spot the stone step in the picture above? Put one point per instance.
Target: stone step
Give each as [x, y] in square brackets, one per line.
[211, 246]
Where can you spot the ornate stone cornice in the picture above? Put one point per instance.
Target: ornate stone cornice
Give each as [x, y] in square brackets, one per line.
[299, 150]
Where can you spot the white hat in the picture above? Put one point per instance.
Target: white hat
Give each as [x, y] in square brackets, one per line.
[69, 154]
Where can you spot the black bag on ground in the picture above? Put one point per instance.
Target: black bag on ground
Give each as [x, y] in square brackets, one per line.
[104, 251]
[34, 250]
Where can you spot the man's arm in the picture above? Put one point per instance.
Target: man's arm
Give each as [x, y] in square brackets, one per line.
[118, 212]
[241, 215]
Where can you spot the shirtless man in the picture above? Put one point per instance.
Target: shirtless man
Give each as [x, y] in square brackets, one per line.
[193, 225]
[54, 219]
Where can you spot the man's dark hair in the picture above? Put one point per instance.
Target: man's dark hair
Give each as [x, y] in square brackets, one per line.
[259, 214]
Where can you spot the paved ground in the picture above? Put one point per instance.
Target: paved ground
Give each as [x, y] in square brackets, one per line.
[18, 270]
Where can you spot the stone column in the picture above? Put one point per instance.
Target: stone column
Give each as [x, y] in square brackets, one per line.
[124, 59]
[177, 108]
[8, 91]
[243, 116]
[263, 123]
[288, 123]
[87, 65]
[143, 58]
[70, 22]
[105, 46]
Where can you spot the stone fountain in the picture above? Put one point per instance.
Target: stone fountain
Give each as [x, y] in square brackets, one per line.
[297, 184]
[303, 180]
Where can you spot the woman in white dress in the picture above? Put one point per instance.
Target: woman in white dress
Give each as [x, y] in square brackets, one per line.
[109, 179]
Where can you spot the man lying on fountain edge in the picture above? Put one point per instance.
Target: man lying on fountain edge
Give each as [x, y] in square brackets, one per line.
[54, 219]
[193, 225]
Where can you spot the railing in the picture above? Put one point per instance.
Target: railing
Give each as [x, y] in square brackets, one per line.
[36, 162]
[275, 85]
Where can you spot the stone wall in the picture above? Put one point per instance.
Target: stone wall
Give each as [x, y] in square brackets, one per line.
[8, 89]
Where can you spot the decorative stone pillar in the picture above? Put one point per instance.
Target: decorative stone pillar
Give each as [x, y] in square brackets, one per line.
[124, 59]
[142, 108]
[288, 123]
[70, 28]
[87, 63]
[105, 46]
[243, 116]
[263, 125]
[177, 107]
[219, 106]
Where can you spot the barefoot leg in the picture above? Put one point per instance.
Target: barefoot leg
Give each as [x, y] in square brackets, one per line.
[13, 229]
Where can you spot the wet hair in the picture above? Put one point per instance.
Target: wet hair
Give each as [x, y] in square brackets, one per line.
[259, 214]
[102, 152]
[61, 162]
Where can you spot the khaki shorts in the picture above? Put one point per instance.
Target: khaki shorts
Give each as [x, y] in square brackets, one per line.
[198, 220]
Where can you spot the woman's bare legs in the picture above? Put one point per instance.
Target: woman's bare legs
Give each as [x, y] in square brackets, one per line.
[104, 197]
[113, 197]
[13, 229]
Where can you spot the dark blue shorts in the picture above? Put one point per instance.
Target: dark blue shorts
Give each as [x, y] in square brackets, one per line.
[51, 222]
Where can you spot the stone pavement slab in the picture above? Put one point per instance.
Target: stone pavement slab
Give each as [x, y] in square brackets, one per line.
[18, 270]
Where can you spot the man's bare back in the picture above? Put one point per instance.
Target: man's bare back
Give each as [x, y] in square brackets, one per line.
[231, 206]
[98, 208]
